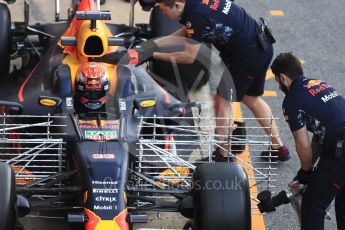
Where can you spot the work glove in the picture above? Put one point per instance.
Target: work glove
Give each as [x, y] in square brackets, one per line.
[142, 53]
[303, 177]
[138, 56]
[135, 56]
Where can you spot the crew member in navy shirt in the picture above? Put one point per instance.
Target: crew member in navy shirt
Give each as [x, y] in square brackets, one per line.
[235, 34]
[314, 105]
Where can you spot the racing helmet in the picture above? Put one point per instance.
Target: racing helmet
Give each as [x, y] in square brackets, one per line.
[92, 85]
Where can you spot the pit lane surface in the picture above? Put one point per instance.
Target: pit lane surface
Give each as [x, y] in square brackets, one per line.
[313, 30]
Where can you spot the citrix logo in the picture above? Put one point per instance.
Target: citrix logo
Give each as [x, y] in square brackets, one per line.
[105, 199]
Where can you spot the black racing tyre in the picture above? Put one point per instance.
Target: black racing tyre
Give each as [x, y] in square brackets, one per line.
[5, 39]
[221, 197]
[102, 2]
[7, 197]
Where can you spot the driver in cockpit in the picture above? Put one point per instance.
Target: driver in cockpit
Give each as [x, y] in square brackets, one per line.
[92, 86]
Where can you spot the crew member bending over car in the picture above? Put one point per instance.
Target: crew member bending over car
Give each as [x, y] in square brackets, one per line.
[244, 47]
[313, 105]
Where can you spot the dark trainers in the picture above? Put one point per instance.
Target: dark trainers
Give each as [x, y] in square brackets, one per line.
[282, 154]
[217, 157]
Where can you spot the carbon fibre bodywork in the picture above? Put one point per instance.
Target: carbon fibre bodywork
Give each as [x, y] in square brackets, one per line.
[100, 145]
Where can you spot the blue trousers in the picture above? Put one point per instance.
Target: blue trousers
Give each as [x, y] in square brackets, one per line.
[327, 183]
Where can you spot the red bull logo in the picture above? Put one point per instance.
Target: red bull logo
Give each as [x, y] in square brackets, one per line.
[215, 5]
[316, 86]
[93, 87]
[312, 83]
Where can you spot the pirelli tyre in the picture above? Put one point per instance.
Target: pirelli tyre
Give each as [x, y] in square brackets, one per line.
[7, 198]
[5, 39]
[221, 197]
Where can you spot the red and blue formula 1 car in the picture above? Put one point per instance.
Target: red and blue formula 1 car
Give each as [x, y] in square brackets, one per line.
[97, 144]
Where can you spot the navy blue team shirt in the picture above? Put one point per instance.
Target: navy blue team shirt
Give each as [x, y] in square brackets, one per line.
[316, 105]
[220, 22]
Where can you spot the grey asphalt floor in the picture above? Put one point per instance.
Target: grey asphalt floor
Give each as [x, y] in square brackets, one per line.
[314, 30]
